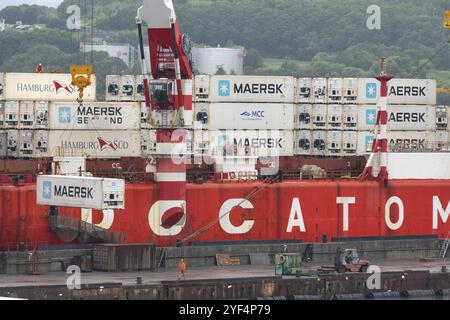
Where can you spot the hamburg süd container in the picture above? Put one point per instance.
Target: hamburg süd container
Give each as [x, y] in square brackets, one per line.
[26, 143]
[13, 143]
[40, 142]
[95, 116]
[251, 89]
[94, 144]
[41, 115]
[11, 114]
[81, 192]
[400, 117]
[26, 115]
[45, 87]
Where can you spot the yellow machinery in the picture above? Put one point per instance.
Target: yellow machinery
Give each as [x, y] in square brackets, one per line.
[81, 78]
[443, 90]
[447, 19]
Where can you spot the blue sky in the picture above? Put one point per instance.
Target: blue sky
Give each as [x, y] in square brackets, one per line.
[49, 3]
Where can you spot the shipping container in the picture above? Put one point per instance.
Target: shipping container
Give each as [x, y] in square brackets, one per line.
[148, 142]
[201, 88]
[335, 90]
[334, 143]
[319, 143]
[40, 143]
[140, 89]
[201, 115]
[400, 91]
[319, 116]
[334, 116]
[95, 116]
[304, 91]
[350, 90]
[349, 143]
[320, 86]
[124, 257]
[112, 88]
[400, 117]
[41, 115]
[251, 89]
[81, 192]
[303, 118]
[403, 141]
[26, 143]
[3, 143]
[127, 88]
[350, 116]
[2, 115]
[45, 87]
[442, 138]
[13, 143]
[11, 114]
[261, 143]
[303, 145]
[2, 87]
[442, 117]
[26, 115]
[94, 144]
[145, 116]
[249, 116]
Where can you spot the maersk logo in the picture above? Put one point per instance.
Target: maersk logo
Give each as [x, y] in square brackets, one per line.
[371, 90]
[47, 190]
[224, 88]
[369, 143]
[371, 117]
[65, 116]
[254, 115]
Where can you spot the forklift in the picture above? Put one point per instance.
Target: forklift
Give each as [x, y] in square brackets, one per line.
[349, 261]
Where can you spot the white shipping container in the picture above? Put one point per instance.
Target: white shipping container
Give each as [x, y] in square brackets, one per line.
[334, 117]
[41, 115]
[251, 116]
[319, 116]
[3, 144]
[94, 144]
[201, 115]
[398, 140]
[303, 118]
[26, 143]
[350, 90]
[2, 115]
[400, 91]
[320, 87]
[201, 88]
[127, 88]
[304, 91]
[335, 90]
[442, 138]
[40, 143]
[112, 88]
[442, 117]
[11, 114]
[350, 116]
[334, 143]
[2, 86]
[319, 143]
[349, 142]
[81, 192]
[251, 89]
[13, 143]
[303, 144]
[45, 87]
[26, 115]
[148, 142]
[262, 143]
[140, 89]
[95, 116]
[145, 116]
[400, 118]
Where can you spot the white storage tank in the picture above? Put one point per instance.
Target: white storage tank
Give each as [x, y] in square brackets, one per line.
[319, 143]
[26, 115]
[319, 116]
[350, 116]
[349, 143]
[303, 140]
[11, 114]
[210, 60]
[335, 90]
[334, 143]
[304, 116]
[95, 116]
[251, 89]
[41, 115]
[334, 116]
[304, 91]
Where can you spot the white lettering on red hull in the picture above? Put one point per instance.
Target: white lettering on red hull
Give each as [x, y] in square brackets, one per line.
[401, 213]
[345, 201]
[225, 212]
[296, 217]
[156, 214]
[438, 210]
[107, 221]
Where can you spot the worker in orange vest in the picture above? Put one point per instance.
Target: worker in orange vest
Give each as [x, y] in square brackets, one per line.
[182, 270]
[40, 68]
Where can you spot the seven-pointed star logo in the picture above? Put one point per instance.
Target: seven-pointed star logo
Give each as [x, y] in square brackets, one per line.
[371, 116]
[47, 190]
[64, 115]
[224, 88]
[371, 90]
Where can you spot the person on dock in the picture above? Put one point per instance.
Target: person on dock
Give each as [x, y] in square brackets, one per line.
[182, 270]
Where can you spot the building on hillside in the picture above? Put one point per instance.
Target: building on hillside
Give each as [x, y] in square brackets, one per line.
[123, 51]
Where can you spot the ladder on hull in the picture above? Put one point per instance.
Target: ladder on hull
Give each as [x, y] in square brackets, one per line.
[445, 246]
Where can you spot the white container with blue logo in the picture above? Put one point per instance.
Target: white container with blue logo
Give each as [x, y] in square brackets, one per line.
[251, 89]
[95, 116]
[81, 192]
[400, 117]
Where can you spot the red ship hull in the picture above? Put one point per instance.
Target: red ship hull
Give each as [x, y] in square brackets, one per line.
[307, 211]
